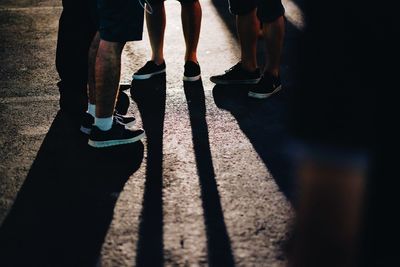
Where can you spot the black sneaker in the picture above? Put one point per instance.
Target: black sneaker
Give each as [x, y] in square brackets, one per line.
[88, 121]
[128, 121]
[267, 86]
[125, 86]
[149, 70]
[237, 75]
[117, 135]
[192, 72]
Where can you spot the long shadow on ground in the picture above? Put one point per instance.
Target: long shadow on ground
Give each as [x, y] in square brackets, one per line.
[218, 242]
[150, 97]
[263, 122]
[65, 206]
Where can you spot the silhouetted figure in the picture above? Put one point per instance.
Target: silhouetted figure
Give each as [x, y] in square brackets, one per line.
[333, 122]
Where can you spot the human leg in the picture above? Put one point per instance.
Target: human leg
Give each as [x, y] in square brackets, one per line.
[191, 15]
[273, 33]
[120, 21]
[156, 22]
[246, 71]
[107, 76]
[270, 14]
[91, 68]
[77, 26]
[247, 28]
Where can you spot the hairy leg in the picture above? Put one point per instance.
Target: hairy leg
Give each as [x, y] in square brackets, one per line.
[91, 68]
[248, 29]
[107, 76]
[191, 15]
[273, 33]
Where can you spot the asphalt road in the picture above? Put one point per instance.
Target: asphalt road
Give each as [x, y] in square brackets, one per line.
[209, 186]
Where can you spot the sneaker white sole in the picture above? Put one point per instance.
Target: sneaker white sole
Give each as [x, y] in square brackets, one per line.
[225, 82]
[146, 76]
[100, 144]
[263, 96]
[191, 79]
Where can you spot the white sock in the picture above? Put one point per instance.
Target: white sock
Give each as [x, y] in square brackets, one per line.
[103, 124]
[91, 109]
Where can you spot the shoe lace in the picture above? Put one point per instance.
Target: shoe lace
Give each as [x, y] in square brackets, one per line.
[118, 119]
[146, 6]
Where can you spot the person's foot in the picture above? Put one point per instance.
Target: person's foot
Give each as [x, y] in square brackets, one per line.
[149, 70]
[128, 121]
[266, 87]
[192, 71]
[237, 75]
[117, 135]
[88, 121]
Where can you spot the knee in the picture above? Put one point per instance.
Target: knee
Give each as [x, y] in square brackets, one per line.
[111, 48]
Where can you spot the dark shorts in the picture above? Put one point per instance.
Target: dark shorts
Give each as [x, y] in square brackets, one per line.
[154, 2]
[267, 10]
[120, 20]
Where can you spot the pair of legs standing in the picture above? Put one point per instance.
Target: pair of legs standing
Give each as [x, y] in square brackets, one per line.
[273, 34]
[249, 14]
[99, 70]
[191, 15]
[119, 21]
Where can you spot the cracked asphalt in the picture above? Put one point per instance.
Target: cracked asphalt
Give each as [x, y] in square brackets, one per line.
[208, 186]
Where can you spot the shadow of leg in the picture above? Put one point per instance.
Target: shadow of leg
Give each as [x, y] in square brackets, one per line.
[264, 123]
[65, 206]
[150, 97]
[218, 242]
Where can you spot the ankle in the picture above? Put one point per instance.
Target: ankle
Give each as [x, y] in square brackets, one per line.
[158, 60]
[250, 67]
[191, 57]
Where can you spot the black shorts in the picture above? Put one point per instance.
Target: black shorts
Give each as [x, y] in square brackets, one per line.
[120, 20]
[155, 2]
[267, 10]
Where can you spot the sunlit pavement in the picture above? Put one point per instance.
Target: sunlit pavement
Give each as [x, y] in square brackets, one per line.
[219, 200]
